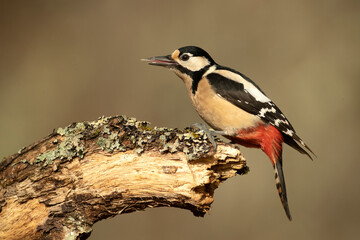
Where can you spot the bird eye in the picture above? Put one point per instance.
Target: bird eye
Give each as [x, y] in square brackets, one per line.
[184, 57]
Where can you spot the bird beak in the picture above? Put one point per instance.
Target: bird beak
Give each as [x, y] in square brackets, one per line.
[164, 61]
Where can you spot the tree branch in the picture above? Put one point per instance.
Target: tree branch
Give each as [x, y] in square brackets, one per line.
[58, 187]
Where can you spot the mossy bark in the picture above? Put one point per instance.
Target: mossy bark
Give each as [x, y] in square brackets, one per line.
[58, 187]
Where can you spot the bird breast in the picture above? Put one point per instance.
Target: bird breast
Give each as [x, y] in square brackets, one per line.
[219, 113]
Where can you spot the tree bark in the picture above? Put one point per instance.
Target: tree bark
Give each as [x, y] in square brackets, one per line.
[58, 187]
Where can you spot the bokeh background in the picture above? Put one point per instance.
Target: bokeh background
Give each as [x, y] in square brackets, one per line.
[63, 61]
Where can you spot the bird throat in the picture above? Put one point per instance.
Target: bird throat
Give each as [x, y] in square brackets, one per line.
[196, 77]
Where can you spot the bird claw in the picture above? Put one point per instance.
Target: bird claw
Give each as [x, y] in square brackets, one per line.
[208, 132]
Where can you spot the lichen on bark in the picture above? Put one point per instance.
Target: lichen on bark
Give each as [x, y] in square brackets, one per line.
[89, 171]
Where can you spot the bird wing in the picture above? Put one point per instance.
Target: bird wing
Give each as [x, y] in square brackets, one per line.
[244, 98]
[236, 93]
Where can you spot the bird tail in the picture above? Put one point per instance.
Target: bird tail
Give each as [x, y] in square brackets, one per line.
[295, 144]
[280, 185]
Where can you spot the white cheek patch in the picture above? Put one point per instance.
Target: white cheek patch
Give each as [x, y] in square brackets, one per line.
[195, 63]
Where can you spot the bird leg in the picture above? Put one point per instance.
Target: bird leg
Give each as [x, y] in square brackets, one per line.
[209, 132]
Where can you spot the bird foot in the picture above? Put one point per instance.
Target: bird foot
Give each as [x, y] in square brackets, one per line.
[209, 133]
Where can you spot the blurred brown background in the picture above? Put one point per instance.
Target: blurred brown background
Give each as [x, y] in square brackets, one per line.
[65, 61]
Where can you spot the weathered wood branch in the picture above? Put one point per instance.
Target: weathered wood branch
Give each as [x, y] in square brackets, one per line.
[58, 187]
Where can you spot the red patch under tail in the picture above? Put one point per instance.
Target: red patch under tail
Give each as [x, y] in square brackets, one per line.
[268, 139]
[265, 137]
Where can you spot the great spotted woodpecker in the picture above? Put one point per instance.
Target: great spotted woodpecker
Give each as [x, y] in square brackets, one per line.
[235, 107]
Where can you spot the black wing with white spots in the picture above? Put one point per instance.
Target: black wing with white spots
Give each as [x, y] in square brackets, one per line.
[236, 93]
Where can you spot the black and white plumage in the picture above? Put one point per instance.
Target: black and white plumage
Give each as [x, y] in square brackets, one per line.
[253, 100]
[234, 105]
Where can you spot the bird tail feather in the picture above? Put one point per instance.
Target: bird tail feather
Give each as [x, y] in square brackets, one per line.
[294, 143]
[280, 185]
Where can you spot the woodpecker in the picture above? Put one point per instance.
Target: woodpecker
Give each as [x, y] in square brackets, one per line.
[235, 107]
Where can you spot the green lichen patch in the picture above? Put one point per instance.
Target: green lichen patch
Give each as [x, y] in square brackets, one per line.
[121, 133]
[72, 145]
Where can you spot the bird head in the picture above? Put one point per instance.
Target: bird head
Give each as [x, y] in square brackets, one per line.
[185, 59]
